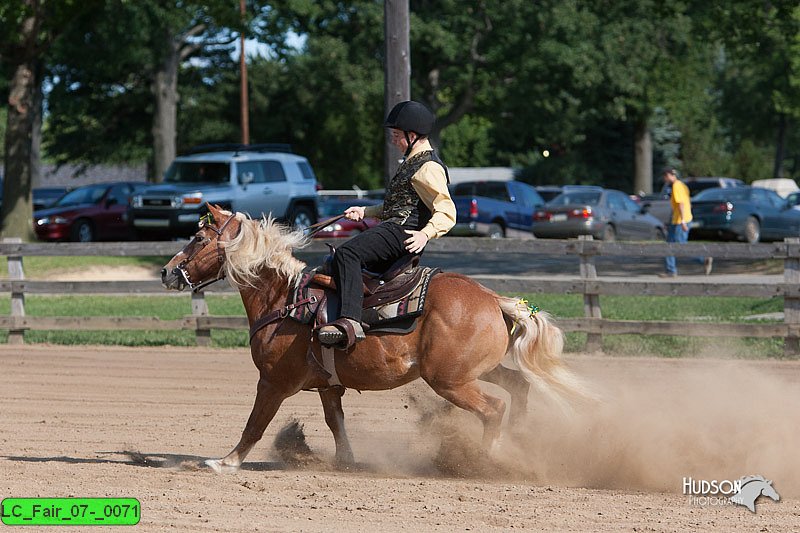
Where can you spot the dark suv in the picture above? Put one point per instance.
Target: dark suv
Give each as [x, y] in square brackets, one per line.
[254, 179]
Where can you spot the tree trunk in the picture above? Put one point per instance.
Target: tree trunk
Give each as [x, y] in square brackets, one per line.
[643, 159]
[780, 146]
[397, 84]
[36, 134]
[16, 212]
[165, 118]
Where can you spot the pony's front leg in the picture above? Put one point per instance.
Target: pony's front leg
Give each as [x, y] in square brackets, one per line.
[334, 417]
[268, 400]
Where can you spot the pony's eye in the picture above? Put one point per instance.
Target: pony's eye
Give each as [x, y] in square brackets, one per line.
[198, 238]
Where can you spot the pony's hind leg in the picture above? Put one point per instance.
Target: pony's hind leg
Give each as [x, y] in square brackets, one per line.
[470, 397]
[334, 417]
[268, 400]
[517, 386]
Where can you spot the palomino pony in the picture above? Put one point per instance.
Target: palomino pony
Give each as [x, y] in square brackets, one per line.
[464, 333]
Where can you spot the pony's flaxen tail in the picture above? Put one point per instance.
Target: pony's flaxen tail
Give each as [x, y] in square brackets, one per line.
[535, 347]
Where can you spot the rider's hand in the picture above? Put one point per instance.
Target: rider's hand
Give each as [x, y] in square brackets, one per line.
[416, 242]
[355, 213]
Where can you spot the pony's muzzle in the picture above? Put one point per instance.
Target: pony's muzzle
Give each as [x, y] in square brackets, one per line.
[172, 279]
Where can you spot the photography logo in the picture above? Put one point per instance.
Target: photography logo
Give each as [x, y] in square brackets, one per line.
[744, 491]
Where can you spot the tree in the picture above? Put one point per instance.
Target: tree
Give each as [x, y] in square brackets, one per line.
[465, 57]
[326, 98]
[126, 93]
[643, 43]
[27, 30]
[181, 31]
[761, 91]
[100, 101]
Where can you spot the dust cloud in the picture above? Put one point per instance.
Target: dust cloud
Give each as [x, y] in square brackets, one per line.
[660, 420]
[663, 420]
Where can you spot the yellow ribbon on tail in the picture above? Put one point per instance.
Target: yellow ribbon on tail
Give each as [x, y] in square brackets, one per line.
[530, 309]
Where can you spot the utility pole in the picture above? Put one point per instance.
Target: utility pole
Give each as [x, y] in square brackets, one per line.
[243, 97]
[397, 79]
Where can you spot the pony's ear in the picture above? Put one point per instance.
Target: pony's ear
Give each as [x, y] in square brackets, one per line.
[215, 210]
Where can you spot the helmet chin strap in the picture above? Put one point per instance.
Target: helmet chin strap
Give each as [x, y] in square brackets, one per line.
[410, 144]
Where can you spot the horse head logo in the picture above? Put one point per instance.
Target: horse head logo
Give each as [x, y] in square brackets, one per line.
[751, 487]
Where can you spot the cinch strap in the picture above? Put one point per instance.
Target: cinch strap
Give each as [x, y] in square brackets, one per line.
[279, 314]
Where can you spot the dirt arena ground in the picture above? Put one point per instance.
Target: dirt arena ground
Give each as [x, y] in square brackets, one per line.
[122, 422]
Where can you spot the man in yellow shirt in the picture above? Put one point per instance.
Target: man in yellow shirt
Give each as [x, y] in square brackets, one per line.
[678, 229]
[417, 208]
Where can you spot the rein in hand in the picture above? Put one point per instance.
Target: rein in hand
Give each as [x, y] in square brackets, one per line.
[316, 228]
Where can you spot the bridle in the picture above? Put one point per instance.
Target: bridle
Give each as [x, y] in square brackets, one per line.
[205, 223]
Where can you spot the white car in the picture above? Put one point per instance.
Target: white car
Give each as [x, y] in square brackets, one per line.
[253, 179]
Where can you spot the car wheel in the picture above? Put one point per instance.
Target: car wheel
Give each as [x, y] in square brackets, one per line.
[609, 233]
[82, 231]
[301, 218]
[752, 230]
[495, 231]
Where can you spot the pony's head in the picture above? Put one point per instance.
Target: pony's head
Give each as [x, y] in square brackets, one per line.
[233, 246]
[202, 261]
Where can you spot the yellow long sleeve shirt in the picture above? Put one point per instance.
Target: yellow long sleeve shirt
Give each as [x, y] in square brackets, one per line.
[430, 183]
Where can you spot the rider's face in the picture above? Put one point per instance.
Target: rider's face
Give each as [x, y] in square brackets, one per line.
[399, 139]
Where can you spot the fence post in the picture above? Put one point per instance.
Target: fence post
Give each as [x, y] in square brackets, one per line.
[791, 304]
[16, 273]
[591, 302]
[200, 308]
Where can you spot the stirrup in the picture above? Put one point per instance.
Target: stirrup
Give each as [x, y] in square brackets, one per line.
[342, 333]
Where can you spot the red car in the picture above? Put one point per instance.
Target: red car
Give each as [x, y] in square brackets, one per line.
[329, 208]
[88, 213]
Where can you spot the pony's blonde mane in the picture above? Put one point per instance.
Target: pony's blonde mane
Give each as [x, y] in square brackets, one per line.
[263, 244]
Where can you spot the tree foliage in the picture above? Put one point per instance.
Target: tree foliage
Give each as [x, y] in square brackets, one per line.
[108, 78]
[760, 81]
[714, 86]
[27, 31]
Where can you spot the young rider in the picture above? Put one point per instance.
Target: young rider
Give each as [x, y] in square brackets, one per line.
[417, 207]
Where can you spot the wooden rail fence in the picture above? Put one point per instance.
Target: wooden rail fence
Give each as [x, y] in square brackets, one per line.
[586, 283]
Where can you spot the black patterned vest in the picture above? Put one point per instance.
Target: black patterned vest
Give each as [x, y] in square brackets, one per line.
[402, 205]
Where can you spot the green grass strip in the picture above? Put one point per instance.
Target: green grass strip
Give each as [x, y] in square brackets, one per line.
[675, 308]
[710, 309]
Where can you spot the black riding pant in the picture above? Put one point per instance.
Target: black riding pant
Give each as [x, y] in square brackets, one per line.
[376, 249]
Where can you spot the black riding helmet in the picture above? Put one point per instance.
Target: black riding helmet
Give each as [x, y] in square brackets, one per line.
[411, 116]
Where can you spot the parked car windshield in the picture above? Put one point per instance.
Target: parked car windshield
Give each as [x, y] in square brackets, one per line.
[723, 195]
[82, 195]
[197, 172]
[497, 190]
[548, 194]
[44, 197]
[576, 197]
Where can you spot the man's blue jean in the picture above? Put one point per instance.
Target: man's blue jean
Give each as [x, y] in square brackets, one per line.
[675, 233]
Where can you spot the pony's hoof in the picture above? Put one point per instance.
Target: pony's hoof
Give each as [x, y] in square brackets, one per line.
[345, 461]
[220, 468]
[495, 449]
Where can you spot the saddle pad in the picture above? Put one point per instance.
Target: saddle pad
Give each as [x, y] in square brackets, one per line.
[406, 306]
